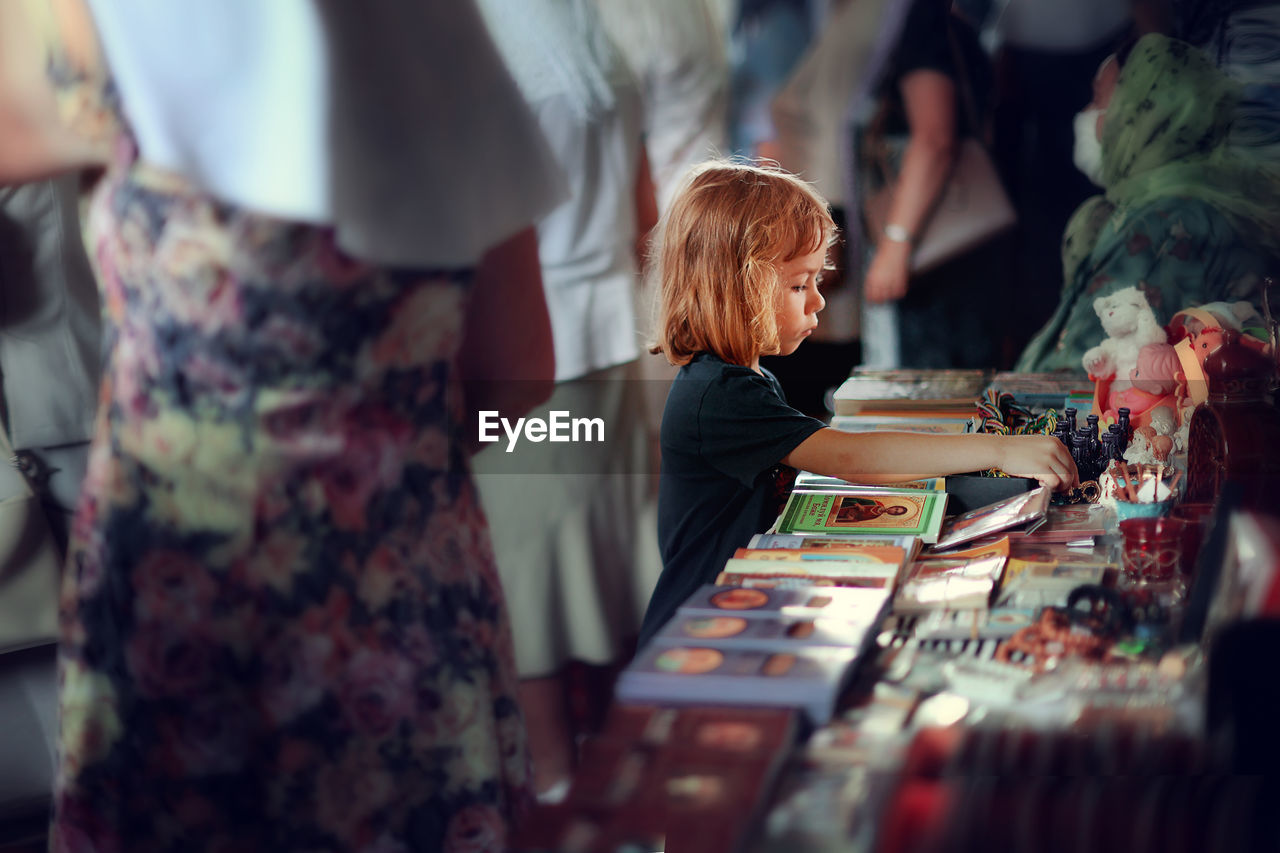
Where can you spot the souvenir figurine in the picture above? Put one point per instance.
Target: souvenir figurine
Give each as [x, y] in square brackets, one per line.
[1130, 325]
[1148, 447]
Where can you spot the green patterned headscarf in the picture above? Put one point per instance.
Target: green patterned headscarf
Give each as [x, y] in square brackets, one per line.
[1164, 137]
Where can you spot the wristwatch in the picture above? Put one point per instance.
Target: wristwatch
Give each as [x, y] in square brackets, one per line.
[896, 233]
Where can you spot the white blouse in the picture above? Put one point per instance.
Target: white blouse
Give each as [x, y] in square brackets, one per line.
[394, 122]
[561, 56]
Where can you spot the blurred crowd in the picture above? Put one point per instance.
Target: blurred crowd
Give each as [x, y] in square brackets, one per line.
[323, 240]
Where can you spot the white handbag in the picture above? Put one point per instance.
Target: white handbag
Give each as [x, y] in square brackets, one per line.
[973, 209]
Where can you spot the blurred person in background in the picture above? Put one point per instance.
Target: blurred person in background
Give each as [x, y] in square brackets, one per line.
[808, 134]
[49, 340]
[49, 337]
[1184, 216]
[768, 39]
[569, 526]
[949, 316]
[1243, 38]
[282, 624]
[677, 51]
[1049, 50]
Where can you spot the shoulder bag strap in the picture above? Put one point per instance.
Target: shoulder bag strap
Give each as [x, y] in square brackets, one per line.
[964, 84]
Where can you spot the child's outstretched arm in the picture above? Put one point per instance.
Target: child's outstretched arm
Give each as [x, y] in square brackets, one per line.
[888, 457]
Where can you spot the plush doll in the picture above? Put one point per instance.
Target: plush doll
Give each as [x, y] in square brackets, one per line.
[1222, 315]
[1153, 382]
[1130, 325]
[1192, 351]
[1208, 340]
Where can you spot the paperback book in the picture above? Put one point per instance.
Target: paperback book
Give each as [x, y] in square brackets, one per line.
[1046, 390]
[810, 482]
[1030, 550]
[808, 679]
[1001, 547]
[850, 605]
[839, 572]
[778, 580]
[957, 424]
[627, 795]
[783, 634]
[879, 511]
[798, 541]
[909, 390]
[872, 554]
[880, 559]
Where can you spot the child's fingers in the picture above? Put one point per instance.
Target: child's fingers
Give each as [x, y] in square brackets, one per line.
[1064, 466]
[1073, 473]
[1061, 474]
[1053, 480]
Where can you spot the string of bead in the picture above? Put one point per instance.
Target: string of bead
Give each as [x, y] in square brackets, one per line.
[1000, 414]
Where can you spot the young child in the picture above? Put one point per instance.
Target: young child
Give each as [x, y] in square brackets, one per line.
[741, 254]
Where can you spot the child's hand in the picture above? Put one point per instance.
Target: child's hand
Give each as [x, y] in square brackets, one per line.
[1040, 456]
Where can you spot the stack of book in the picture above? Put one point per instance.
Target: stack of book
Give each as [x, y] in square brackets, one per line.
[788, 648]
[917, 393]
[808, 679]
[1046, 390]
[860, 609]
[937, 423]
[833, 533]
[848, 562]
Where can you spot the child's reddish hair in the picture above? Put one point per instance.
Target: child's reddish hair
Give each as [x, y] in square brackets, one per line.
[726, 231]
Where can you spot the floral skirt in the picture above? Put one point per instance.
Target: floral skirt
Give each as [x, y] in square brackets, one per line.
[282, 626]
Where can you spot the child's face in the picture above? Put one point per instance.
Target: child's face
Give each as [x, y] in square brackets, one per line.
[801, 301]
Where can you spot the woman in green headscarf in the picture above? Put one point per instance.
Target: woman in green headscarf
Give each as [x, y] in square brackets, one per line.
[1182, 219]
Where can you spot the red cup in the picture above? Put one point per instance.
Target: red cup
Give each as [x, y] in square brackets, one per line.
[1152, 547]
[1196, 515]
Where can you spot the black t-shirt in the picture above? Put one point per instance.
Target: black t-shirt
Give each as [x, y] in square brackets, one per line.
[725, 430]
[925, 45]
